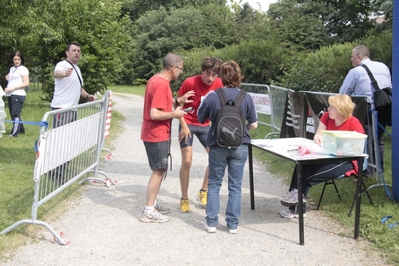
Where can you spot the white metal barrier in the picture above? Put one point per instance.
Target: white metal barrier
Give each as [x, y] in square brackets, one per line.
[269, 103]
[68, 148]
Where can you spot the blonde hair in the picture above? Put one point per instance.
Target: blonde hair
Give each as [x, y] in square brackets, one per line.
[343, 104]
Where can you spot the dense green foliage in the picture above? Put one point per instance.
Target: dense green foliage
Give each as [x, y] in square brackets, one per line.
[42, 30]
[123, 42]
[325, 69]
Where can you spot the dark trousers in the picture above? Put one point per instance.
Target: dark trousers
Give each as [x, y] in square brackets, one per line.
[313, 174]
[15, 103]
[379, 133]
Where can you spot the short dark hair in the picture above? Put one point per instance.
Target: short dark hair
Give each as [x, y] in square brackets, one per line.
[230, 74]
[211, 63]
[72, 43]
[19, 54]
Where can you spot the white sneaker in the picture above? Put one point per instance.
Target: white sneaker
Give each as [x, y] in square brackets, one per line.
[153, 217]
[208, 228]
[292, 199]
[290, 214]
[233, 231]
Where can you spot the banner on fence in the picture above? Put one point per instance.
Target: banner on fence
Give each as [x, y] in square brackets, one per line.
[304, 109]
[262, 102]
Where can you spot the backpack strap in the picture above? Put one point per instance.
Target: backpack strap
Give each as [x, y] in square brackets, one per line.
[222, 96]
[240, 97]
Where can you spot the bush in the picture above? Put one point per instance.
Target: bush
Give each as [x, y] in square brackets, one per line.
[325, 69]
[261, 61]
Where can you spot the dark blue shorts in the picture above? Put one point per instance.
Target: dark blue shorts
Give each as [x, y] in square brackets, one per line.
[200, 131]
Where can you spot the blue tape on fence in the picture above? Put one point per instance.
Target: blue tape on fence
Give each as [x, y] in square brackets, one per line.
[41, 124]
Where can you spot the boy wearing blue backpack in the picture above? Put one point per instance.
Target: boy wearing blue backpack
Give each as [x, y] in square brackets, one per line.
[228, 147]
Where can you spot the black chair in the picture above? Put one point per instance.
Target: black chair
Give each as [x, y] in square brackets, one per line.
[332, 182]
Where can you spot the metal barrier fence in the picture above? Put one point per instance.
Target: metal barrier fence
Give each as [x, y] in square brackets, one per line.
[269, 103]
[68, 148]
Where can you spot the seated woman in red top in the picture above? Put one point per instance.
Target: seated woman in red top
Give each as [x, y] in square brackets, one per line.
[338, 117]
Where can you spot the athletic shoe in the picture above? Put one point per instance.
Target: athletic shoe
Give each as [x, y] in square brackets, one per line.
[185, 205]
[290, 214]
[153, 217]
[292, 199]
[202, 197]
[161, 209]
[209, 229]
[233, 231]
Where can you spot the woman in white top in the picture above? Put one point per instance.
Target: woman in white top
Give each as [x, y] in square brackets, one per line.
[18, 79]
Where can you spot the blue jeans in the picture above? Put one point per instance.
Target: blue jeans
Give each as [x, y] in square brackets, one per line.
[219, 159]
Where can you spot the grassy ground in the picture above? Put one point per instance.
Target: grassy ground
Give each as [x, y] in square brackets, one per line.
[16, 189]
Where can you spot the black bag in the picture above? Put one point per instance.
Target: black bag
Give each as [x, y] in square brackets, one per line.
[382, 100]
[230, 122]
[382, 97]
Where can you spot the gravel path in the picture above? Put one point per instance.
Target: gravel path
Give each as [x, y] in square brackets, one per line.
[103, 225]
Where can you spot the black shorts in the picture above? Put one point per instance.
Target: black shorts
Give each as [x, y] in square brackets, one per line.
[200, 131]
[157, 154]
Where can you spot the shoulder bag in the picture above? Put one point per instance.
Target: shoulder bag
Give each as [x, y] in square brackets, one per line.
[382, 98]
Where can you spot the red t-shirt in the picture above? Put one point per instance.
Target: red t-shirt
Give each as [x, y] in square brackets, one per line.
[196, 84]
[157, 95]
[351, 124]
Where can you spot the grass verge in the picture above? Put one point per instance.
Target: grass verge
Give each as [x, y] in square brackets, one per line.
[16, 177]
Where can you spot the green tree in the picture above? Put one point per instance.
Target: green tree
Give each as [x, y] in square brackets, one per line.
[347, 20]
[159, 32]
[42, 29]
[261, 61]
[311, 24]
[136, 8]
[297, 26]
[384, 8]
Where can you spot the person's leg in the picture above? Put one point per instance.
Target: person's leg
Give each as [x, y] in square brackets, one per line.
[157, 154]
[381, 134]
[312, 175]
[236, 164]
[318, 173]
[2, 117]
[184, 173]
[204, 186]
[202, 135]
[186, 157]
[15, 106]
[292, 198]
[21, 126]
[217, 166]
[325, 172]
[154, 184]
